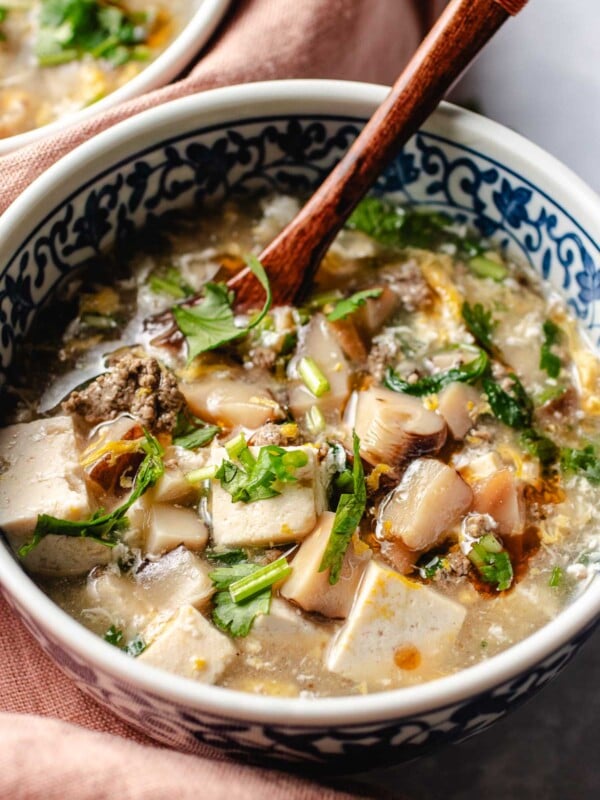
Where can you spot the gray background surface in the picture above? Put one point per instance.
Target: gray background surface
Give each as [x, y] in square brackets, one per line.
[541, 77]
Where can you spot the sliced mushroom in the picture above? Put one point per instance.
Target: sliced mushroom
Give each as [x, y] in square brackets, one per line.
[458, 406]
[394, 427]
[429, 501]
[501, 496]
[318, 341]
[356, 331]
[229, 401]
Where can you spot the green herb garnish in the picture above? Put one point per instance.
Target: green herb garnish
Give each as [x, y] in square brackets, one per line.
[556, 578]
[428, 570]
[349, 512]
[169, 281]
[492, 562]
[539, 446]
[410, 227]
[116, 637]
[485, 267]
[3, 15]
[549, 361]
[514, 409]
[470, 373]
[237, 618]
[70, 29]
[255, 479]
[212, 323]
[228, 557]
[480, 324]
[191, 432]
[343, 308]
[263, 578]
[100, 527]
[583, 462]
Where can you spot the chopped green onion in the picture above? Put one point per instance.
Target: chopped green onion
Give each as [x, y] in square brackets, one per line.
[492, 562]
[264, 577]
[315, 421]
[556, 578]
[485, 267]
[202, 474]
[236, 445]
[313, 378]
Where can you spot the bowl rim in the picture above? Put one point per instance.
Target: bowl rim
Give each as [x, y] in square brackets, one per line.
[159, 72]
[242, 103]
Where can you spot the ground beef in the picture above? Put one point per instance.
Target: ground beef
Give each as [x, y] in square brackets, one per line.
[136, 385]
[278, 435]
[409, 284]
[383, 353]
[263, 357]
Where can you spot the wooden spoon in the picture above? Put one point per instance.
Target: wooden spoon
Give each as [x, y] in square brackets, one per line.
[292, 259]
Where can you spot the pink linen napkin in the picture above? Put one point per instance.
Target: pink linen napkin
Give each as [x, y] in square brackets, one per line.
[367, 40]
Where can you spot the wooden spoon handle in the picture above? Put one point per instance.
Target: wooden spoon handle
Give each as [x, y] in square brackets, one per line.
[293, 257]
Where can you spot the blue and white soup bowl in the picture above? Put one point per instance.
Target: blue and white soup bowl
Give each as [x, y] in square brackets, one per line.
[286, 136]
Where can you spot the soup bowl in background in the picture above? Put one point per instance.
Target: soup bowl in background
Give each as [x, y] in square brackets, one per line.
[286, 136]
[203, 19]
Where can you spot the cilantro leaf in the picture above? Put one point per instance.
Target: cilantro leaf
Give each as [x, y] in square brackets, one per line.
[480, 323]
[549, 361]
[349, 305]
[229, 616]
[253, 479]
[211, 324]
[237, 618]
[226, 557]
[133, 648]
[539, 446]
[349, 512]
[191, 432]
[70, 29]
[584, 461]
[432, 384]
[397, 226]
[100, 527]
[515, 409]
[169, 281]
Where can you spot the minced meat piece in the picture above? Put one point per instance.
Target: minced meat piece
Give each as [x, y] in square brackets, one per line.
[278, 435]
[137, 385]
[410, 285]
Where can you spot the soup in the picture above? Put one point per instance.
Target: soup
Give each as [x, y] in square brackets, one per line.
[59, 56]
[392, 481]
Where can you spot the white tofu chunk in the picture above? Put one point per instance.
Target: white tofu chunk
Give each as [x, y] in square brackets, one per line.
[40, 473]
[310, 589]
[188, 645]
[178, 578]
[393, 615]
[173, 486]
[284, 623]
[288, 517]
[170, 526]
[458, 405]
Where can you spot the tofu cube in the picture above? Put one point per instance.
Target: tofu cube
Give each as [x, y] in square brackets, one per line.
[392, 616]
[288, 517]
[286, 623]
[171, 526]
[64, 556]
[310, 589]
[173, 486]
[188, 645]
[40, 473]
[178, 578]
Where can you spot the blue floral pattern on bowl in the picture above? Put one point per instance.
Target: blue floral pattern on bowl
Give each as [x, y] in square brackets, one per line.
[293, 155]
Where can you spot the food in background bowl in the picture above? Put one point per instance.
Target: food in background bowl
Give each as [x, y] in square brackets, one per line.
[381, 486]
[62, 61]
[59, 56]
[285, 137]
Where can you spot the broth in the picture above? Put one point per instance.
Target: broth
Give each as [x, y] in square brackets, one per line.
[423, 424]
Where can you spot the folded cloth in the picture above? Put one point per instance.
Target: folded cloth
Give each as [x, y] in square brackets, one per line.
[51, 760]
[366, 40]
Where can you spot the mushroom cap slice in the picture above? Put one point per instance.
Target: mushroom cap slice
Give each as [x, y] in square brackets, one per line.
[394, 427]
